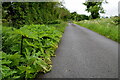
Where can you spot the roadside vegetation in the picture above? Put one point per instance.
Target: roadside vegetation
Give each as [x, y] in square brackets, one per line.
[107, 27]
[28, 50]
[30, 35]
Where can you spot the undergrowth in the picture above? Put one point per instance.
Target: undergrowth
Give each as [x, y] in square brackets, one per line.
[28, 50]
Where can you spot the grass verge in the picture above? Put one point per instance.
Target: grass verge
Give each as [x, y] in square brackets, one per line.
[106, 27]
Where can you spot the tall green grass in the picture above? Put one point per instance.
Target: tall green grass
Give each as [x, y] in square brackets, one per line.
[106, 27]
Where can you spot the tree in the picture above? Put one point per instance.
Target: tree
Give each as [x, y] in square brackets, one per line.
[95, 8]
[18, 14]
[74, 16]
[82, 17]
[78, 17]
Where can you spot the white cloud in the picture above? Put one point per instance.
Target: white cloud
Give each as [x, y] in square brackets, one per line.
[76, 5]
[111, 8]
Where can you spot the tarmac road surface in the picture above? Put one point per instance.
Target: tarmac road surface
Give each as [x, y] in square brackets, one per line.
[83, 53]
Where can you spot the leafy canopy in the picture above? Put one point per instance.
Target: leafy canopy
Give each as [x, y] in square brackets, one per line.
[95, 8]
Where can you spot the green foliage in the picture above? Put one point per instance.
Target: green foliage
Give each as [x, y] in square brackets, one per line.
[106, 27]
[78, 17]
[27, 48]
[18, 14]
[94, 8]
[39, 44]
[55, 22]
[116, 21]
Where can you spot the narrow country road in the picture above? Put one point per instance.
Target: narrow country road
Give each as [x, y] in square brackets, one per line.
[83, 53]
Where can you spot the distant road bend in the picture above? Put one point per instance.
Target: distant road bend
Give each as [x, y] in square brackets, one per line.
[83, 53]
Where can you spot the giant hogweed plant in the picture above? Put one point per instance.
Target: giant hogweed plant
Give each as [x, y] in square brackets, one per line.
[28, 50]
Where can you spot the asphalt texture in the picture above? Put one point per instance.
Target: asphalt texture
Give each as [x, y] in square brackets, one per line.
[83, 53]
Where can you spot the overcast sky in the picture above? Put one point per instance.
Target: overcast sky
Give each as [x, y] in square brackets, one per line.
[111, 8]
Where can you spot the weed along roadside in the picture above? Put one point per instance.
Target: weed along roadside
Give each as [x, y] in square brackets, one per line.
[107, 27]
[28, 50]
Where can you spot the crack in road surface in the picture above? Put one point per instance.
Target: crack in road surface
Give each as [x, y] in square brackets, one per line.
[83, 53]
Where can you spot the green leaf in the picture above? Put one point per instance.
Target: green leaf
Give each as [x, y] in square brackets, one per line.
[5, 67]
[15, 48]
[22, 69]
[6, 62]
[16, 77]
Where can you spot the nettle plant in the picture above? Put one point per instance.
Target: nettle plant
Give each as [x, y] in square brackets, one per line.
[28, 50]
